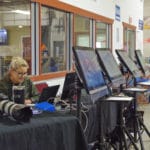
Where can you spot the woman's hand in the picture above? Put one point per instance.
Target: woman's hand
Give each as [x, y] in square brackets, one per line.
[28, 101]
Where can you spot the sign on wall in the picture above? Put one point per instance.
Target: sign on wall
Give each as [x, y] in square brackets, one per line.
[117, 13]
[141, 24]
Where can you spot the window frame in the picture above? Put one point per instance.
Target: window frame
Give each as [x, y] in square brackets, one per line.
[71, 10]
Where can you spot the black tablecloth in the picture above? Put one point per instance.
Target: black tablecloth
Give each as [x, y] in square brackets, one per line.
[102, 115]
[48, 131]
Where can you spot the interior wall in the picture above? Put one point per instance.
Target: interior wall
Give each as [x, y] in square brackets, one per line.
[146, 33]
[146, 48]
[15, 35]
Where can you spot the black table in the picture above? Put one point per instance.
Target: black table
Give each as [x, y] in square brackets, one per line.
[47, 131]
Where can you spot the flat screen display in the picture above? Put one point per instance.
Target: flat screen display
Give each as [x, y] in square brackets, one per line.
[90, 70]
[109, 62]
[110, 66]
[69, 86]
[3, 37]
[128, 62]
[140, 60]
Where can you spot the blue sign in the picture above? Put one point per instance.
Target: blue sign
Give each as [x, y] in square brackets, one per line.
[141, 24]
[117, 12]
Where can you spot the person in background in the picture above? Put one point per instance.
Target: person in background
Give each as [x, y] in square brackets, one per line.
[53, 65]
[17, 76]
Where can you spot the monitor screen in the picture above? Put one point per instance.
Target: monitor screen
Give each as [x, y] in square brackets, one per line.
[110, 66]
[3, 37]
[69, 86]
[109, 63]
[140, 60]
[128, 63]
[90, 71]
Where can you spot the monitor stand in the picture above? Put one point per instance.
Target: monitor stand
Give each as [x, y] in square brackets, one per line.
[121, 129]
[138, 122]
[77, 97]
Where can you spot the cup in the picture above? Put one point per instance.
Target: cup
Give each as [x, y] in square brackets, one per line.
[18, 94]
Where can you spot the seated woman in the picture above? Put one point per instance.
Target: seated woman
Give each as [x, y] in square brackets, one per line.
[17, 76]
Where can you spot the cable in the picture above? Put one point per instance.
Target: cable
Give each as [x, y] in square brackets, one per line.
[86, 121]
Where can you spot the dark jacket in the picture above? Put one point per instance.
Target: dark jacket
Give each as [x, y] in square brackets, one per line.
[30, 90]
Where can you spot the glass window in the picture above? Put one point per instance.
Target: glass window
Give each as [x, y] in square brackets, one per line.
[14, 33]
[102, 35]
[129, 42]
[81, 31]
[53, 40]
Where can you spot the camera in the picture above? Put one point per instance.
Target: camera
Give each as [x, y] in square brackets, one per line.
[19, 112]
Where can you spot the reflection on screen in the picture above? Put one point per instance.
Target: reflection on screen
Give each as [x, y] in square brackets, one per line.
[91, 71]
[109, 63]
[131, 65]
[140, 59]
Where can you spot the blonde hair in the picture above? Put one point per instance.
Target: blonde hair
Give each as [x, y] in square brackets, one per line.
[18, 62]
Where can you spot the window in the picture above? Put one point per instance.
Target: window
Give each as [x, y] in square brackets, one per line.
[15, 21]
[81, 31]
[102, 35]
[53, 50]
[129, 39]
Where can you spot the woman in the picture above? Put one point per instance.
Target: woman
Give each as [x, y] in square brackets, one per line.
[17, 76]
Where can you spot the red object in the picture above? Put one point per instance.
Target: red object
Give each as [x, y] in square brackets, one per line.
[40, 86]
[147, 40]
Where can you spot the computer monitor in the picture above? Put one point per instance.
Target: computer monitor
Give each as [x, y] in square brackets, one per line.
[69, 86]
[128, 63]
[141, 63]
[90, 72]
[110, 66]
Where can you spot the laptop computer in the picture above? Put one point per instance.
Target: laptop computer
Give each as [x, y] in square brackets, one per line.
[49, 93]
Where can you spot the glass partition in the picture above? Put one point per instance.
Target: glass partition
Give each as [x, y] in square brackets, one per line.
[53, 37]
[16, 40]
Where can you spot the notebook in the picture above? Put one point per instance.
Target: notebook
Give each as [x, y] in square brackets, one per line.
[49, 93]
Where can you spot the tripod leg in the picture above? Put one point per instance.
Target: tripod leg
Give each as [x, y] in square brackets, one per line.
[140, 137]
[130, 138]
[123, 141]
[143, 125]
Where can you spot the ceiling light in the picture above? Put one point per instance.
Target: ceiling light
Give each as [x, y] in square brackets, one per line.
[24, 12]
[6, 1]
[20, 26]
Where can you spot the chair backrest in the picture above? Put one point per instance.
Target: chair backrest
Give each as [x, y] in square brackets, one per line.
[40, 86]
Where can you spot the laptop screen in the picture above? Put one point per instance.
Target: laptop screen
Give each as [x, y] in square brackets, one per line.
[49, 93]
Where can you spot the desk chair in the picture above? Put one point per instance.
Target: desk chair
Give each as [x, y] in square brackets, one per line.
[40, 86]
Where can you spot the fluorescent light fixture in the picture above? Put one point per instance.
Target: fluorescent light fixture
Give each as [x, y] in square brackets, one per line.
[6, 1]
[20, 26]
[24, 12]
